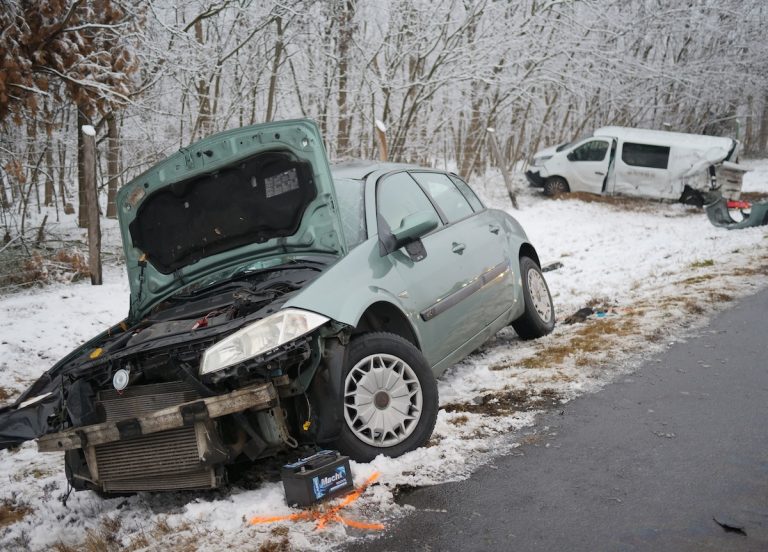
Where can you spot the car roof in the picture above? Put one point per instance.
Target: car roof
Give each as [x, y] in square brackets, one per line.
[359, 169]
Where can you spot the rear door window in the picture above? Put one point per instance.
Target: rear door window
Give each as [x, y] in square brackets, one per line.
[644, 155]
[445, 194]
[398, 196]
[467, 192]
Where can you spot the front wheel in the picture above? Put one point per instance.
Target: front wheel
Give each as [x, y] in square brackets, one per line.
[539, 316]
[390, 398]
[556, 185]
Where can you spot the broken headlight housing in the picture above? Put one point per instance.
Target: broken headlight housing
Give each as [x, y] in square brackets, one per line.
[259, 338]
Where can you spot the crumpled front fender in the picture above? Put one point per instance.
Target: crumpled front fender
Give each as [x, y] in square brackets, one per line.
[30, 422]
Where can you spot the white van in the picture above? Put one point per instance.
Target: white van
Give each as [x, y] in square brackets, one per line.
[642, 163]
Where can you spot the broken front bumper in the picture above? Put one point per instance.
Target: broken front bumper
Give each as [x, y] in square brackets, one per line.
[164, 437]
[257, 397]
[534, 179]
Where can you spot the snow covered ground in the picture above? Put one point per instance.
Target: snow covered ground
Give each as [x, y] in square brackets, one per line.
[654, 271]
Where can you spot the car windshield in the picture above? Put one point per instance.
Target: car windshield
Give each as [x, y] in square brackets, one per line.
[351, 196]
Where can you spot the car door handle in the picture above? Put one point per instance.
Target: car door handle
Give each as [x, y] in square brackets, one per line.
[494, 229]
[458, 248]
[600, 173]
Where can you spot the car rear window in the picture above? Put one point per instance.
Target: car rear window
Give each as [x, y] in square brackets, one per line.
[467, 192]
[644, 155]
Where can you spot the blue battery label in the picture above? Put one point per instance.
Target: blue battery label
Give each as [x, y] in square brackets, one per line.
[323, 485]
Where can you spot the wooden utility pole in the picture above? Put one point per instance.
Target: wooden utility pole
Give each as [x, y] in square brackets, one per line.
[501, 162]
[89, 182]
[381, 134]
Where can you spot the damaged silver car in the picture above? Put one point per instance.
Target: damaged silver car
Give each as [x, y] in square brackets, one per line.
[274, 305]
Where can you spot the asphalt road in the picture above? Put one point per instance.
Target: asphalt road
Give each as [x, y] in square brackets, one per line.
[648, 463]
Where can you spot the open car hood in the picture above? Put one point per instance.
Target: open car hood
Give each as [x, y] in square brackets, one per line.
[248, 195]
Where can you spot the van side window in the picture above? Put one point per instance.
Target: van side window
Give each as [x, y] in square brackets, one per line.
[591, 151]
[643, 155]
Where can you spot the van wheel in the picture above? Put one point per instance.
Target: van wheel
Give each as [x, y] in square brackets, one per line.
[390, 398]
[555, 185]
[691, 196]
[538, 319]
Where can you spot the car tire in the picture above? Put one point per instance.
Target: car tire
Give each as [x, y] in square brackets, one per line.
[539, 317]
[379, 413]
[555, 185]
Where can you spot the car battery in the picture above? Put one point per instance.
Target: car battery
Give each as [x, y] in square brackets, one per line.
[323, 475]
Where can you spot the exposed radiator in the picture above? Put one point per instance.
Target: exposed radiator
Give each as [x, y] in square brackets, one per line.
[169, 460]
[142, 399]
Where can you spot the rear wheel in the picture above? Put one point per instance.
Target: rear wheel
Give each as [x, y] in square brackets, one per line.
[539, 316]
[555, 185]
[390, 398]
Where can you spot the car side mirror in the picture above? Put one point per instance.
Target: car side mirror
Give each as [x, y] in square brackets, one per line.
[413, 227]
[571, 156]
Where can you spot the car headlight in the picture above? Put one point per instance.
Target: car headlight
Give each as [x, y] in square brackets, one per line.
[538, 161]
[259, 338]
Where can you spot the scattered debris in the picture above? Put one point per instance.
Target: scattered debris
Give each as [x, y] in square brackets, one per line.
[323, 516]
[730, 528]
[551, 266]
[579, 316]
[720, 216]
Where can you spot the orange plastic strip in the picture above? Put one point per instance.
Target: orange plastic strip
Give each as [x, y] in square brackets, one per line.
[331, 514]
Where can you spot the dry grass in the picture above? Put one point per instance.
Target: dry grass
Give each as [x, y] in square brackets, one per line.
[702, 264]
[5, 394]
[459, 420]
[12, 511]
[590, 338]
[504, 402]
[751, 271]
[42, 267]
[620, 202]
[693, 280]
[719, 297]
[279, 541]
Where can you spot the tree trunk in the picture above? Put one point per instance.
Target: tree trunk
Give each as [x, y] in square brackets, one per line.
[747, 139]
[33, 161]
[113, 163]
[275, 67]
[89, 181]
[49, 190]
[82, 212]
[762, 139]
[346, 32]
[501, 163]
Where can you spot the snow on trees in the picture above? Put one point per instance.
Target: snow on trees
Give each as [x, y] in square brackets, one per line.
[153, 76]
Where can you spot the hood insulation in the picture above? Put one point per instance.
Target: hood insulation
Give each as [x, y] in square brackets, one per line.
[262, 198]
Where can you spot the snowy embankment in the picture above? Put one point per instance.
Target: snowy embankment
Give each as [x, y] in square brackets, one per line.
[654, 271]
